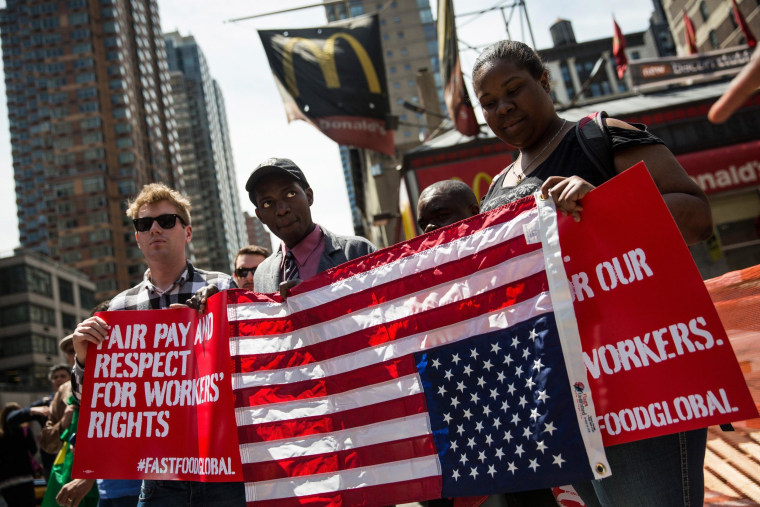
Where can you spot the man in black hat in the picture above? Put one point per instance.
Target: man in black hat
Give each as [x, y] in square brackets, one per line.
[283, 199]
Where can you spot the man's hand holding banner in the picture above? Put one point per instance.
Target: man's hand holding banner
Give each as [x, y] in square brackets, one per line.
[447, 365]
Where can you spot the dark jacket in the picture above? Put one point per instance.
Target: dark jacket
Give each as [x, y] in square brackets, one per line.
[16, 446]
[338, 249]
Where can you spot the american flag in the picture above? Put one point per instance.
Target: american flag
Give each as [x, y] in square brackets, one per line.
[433, 368]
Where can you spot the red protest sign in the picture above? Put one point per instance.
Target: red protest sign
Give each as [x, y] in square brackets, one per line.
[657, 356]
[157, 396]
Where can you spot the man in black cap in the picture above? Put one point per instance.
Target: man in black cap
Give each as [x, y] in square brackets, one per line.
[283, 197]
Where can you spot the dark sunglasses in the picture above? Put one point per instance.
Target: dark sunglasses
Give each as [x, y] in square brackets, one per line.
[243, 272]
[167, 221]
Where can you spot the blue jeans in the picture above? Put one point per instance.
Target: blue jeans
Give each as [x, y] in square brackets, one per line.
[192, 494]
[666, 471]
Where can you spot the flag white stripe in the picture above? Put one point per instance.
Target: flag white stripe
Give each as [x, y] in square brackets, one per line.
[406, 266]
[337, 441]
[355, 478]
[569, 336]
[415, 303]
[499, 319]
[362, 397]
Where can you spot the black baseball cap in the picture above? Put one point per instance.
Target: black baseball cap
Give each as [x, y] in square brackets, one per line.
[271, 166]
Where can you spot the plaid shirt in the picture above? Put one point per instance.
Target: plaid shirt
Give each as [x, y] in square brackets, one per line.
[145, 296]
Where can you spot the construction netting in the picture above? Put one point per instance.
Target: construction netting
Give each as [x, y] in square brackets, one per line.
[732, 460]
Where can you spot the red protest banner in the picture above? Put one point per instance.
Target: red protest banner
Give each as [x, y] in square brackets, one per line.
[657, 356]
[157, 396]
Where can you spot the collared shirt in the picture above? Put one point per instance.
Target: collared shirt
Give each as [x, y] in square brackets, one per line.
[307, 254]
[146, 296]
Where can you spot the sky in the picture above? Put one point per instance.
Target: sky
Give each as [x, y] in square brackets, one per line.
[256, 118]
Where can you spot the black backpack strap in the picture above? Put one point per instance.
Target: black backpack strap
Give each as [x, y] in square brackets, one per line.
[592, 136]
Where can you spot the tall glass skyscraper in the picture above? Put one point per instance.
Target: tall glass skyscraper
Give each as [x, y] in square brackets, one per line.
[207, 166]
[91, 121]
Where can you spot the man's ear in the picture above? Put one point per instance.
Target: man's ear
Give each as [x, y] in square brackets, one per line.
[257, 213]
[309, 195]
[545, 81]
[188, 234]
[138, 243]
[475, 209]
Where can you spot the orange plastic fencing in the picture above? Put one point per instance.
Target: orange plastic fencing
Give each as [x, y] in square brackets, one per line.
[737, 298]
[732, 458]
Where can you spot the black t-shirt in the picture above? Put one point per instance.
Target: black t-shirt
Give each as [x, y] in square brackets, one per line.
[567, 159]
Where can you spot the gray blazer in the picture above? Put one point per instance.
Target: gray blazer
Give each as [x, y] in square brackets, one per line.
[338, 249]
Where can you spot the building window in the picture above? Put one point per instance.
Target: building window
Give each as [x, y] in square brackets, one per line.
[703, 10]
[78, 18]
[93, 184]
[106, 285]
[732, 19]
[15, 279]
[71, 257]
[86, 298]
[714, 42]
[68, 321]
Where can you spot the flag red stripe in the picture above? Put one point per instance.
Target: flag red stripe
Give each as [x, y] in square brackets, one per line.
[384, 494]
[347, 419]
[380, 372]
[501, 297]
[388, 255]
[377, 454]
[380, 294]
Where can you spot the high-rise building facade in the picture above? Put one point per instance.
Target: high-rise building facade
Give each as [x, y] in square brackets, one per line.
[410, 44]
[91, 121]
[41, 301]
[713, 20]
[257, 233]
[207, 166]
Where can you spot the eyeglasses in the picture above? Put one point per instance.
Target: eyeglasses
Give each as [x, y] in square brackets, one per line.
[167, 221]
[243, 272]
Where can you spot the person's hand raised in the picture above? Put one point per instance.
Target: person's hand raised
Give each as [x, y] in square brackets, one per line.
[742, 86]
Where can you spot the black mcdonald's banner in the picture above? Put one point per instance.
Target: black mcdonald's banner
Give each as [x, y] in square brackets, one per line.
[334, 78]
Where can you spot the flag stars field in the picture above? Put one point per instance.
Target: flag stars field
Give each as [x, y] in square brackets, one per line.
[478, 408]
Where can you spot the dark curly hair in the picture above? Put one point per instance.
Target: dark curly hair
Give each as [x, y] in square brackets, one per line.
[516, 52]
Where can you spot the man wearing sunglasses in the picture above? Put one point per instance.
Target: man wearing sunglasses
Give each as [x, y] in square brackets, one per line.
[246, 261]
[283, 199]
[161, 217]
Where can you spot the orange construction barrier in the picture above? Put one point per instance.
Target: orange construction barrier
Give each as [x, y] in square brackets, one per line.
[732, 460]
